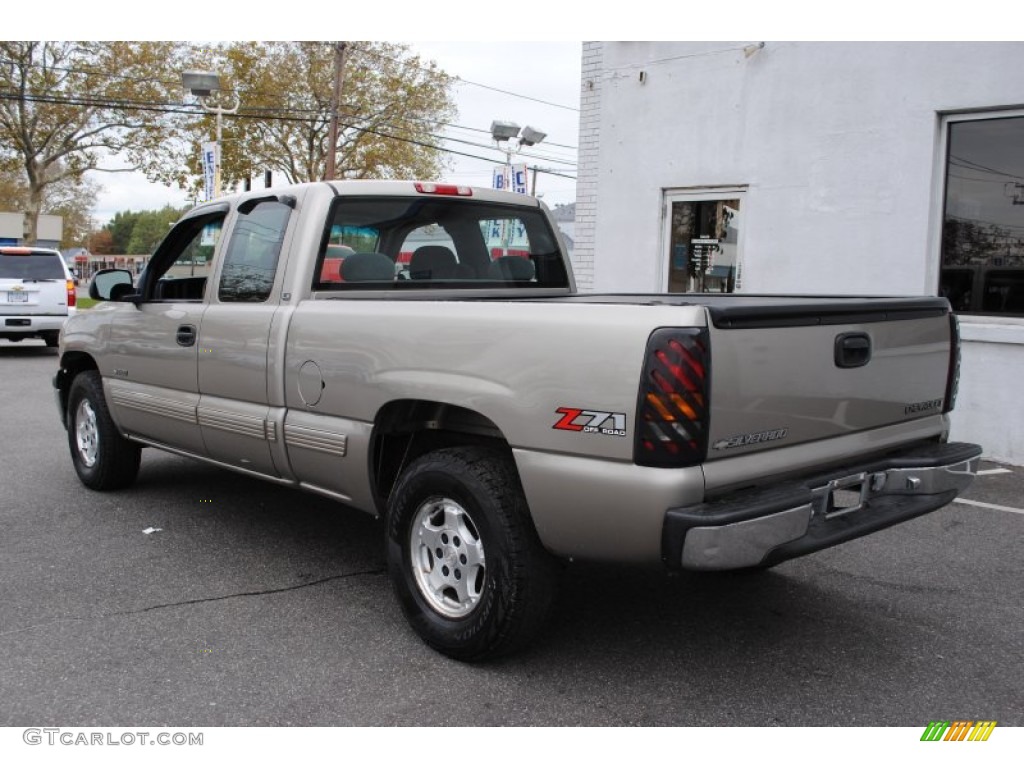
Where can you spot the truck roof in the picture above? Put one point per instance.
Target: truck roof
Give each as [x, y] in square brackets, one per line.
[389, 188]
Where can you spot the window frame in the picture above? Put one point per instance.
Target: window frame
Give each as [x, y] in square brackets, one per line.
[394, 238]
[232, 239]
[939, 185]
[670, 195]
[172, 246]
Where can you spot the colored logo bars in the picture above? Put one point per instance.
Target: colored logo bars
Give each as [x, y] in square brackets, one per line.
[959, 730]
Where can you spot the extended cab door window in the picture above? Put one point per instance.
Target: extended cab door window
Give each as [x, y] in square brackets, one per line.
[250, 264]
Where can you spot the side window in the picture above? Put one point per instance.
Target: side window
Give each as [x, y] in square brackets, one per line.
[182, 263]
[253, 252]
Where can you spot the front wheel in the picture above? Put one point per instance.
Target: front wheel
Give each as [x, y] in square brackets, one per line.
[103, 459]
[464, 558]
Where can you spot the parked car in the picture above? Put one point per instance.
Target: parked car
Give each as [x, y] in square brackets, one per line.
[37, 293]
[499, 421]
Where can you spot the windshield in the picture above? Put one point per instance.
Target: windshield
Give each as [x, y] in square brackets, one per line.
[31, 266]
[438, 242]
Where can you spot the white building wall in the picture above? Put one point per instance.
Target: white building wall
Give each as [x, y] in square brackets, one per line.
[12, 226]
[50, 229]
[838, 147]
[587, 177]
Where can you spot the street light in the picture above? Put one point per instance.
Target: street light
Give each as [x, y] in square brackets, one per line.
[203, 85]
[508, 132]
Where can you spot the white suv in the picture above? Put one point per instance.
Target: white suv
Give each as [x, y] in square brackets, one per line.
[37, 293]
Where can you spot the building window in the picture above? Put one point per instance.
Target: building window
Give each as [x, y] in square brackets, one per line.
[703, 242]
[983, 221]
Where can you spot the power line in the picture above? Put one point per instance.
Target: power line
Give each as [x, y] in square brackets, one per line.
[252, 113]
[971, 165]
[154, 107]
[980, 181]
[471, 82]
[176, 84]
[694, 55]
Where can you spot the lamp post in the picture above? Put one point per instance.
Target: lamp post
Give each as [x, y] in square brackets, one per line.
[203, 85]
[509, 132]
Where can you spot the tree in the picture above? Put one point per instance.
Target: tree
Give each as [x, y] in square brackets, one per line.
[13, 190]
[120, 229]
[73, 200]
[150, 228]
[392, 103]
[101, 243]
[62, 104]
[70, 198]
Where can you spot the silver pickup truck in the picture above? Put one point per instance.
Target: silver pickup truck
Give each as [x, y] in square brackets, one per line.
[419, 352]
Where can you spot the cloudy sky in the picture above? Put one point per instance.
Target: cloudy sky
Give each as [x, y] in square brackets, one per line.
[530, 83]
[485, 48]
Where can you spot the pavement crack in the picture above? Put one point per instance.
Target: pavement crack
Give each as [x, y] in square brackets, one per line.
[199, 600]
[255, 593]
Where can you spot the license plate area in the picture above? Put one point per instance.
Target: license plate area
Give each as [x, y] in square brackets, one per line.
[17, 297]
[846, 495]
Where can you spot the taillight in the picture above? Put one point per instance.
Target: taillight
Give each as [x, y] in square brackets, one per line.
[953, 378]
[672, 412]
[72, 295]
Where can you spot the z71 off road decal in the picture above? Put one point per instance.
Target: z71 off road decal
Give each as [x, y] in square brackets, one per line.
[595, 422]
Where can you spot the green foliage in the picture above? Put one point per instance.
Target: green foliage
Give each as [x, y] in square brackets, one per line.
[140, 233]
[120, 228]
[66, 103]
[392, 101]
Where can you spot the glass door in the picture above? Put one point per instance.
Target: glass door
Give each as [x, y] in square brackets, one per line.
[703, 231]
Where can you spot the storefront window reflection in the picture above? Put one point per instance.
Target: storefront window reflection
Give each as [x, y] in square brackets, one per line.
[703, 246]
[983, 224]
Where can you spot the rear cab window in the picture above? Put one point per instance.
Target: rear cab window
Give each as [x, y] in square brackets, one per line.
[416, 243]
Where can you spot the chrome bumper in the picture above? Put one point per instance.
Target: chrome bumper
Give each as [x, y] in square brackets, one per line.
[804, 515]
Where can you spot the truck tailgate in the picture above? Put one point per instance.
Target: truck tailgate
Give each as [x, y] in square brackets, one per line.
[789, 371]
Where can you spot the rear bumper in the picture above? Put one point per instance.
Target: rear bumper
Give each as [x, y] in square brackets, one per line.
[769, 525]
[30, 325]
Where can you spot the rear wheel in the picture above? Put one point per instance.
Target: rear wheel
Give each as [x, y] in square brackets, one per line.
[103, 459]
[51, 339]
[464, 558]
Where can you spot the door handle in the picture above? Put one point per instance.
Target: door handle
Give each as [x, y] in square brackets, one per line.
[186, 335]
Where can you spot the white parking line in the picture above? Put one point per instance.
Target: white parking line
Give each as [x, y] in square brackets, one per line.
[989, 506]
[998, 471]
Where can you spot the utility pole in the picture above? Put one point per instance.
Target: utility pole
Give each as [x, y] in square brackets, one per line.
[339, 80]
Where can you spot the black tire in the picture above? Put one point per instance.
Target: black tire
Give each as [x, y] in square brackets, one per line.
[103, 459]
[51, 339]
[464, 507]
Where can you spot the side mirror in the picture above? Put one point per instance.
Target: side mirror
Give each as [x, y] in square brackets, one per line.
[111, 285]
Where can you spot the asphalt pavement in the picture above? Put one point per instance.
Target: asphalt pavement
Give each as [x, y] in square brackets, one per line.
[200, 597]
